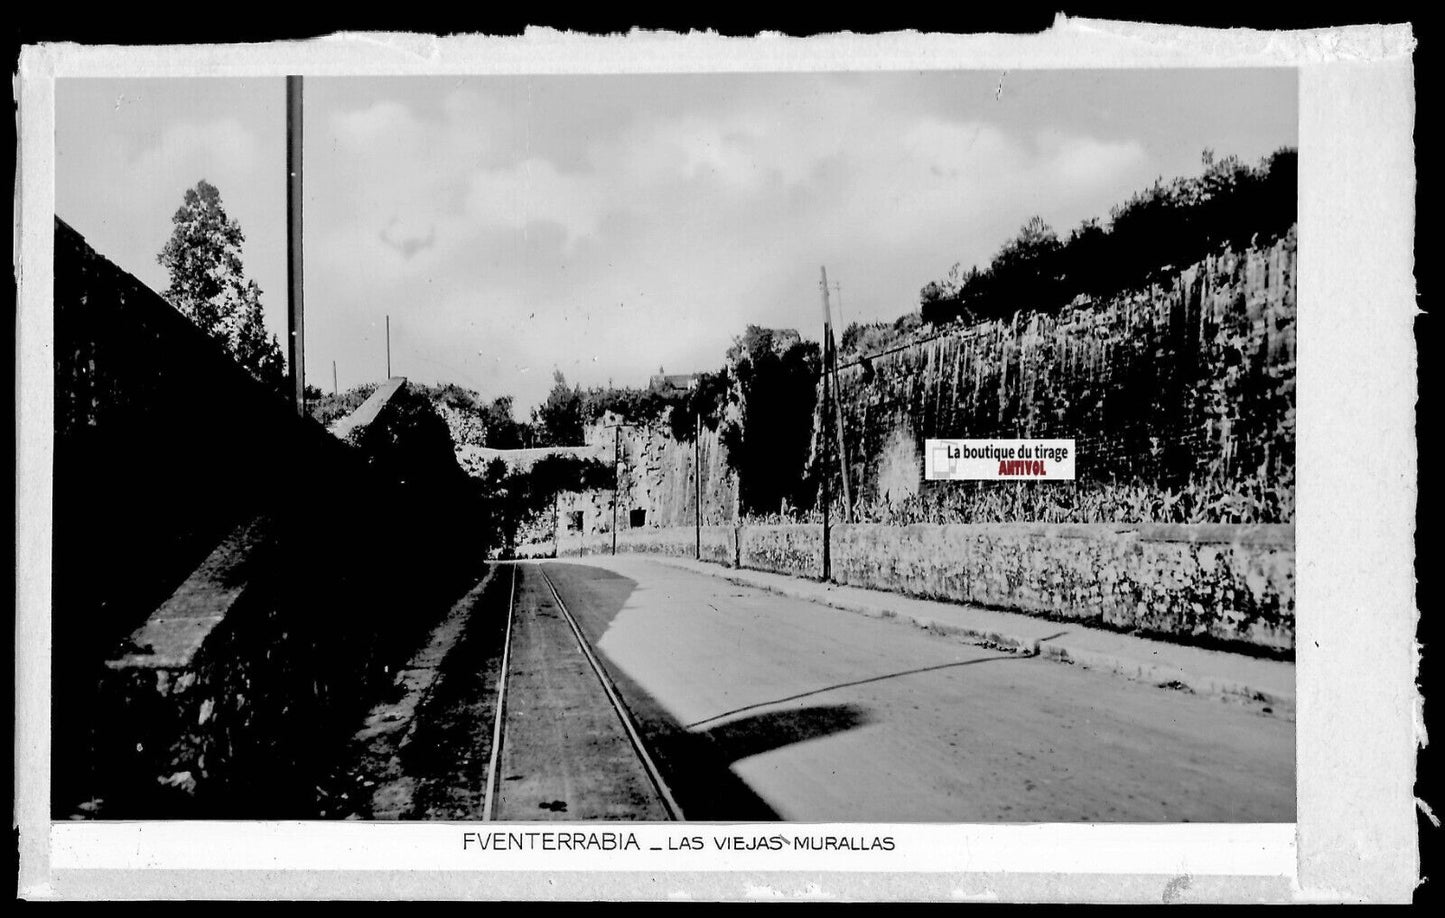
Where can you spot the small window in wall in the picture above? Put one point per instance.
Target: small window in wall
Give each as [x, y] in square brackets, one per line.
[638, 518]
[574, 521]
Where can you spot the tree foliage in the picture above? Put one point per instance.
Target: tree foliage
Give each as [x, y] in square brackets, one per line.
[493, 423]
[502, 430]
[1159, 230]
[873, 337]
[634, 406]
[706, 399]
[559, 421]
[208, 283]
[512, 497]
[705, 404]
[768, 443]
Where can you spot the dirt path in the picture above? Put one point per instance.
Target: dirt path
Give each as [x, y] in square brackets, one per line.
[423, 753]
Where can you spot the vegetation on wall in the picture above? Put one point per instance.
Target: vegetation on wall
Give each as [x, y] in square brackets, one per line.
[328, 409]
[873, 337]
[513, 498]
[1230, 204]
[763, 403]
[1163, 228]
[705, 403]
[768, 439]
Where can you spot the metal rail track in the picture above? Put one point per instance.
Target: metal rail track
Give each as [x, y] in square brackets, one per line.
[624, 716]
[496, 758]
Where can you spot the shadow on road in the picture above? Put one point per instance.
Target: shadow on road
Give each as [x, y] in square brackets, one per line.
[694, 765]
[842, 685]
[759, 733]
[696, 762]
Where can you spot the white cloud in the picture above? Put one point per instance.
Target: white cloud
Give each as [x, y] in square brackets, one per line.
[1089, 163]
[668, 234]
[534, 191]
[224, 146]
[637, 220]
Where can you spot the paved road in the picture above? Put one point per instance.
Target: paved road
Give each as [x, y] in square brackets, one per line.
[757, 706]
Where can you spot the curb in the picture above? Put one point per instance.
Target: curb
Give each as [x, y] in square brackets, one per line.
[1161, 675]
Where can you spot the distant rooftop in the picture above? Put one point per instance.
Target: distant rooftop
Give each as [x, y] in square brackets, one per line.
[673, 382]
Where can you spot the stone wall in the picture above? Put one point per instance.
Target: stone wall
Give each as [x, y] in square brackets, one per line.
[1189, 380]
[163, 444]
[231, 581]
[719, 543]
[787, 549]
[656, 473]
[543, 533]
[230, 697]
[1217, 585]
[233, 694]
[1205, 583]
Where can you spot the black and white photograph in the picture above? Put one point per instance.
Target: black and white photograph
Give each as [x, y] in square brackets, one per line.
[561, 456]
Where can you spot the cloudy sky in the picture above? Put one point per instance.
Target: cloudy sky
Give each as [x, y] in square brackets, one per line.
[610, 225]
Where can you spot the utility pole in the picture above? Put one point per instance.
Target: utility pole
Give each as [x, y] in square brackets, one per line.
[333, 378]
[295, 307]
[616, 457]
[616, 477]
[830, 365]
[388, 347]
[697, 473]
[827, 461]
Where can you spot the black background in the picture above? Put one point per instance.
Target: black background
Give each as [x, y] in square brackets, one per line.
[204, 23]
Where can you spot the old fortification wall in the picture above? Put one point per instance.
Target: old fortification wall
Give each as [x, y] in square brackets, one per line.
[1187, 381]
[227, 575]
[656, 483]
[1218, 585]
[656, 473]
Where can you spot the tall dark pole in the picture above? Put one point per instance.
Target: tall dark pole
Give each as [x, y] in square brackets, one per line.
[827, 468]
[333, 377]
[830, 365]
[295, 309]
[388, 347]
[697, 473]
[827, 432]
[616, 455]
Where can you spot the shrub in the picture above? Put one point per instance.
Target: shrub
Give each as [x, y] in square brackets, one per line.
[1163, 228]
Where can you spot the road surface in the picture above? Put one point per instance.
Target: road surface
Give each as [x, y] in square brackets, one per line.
[757, 706]
[565, 755]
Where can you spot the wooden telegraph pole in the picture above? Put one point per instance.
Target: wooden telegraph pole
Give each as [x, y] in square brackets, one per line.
[827, 436]
[388, 347]
[295, 308]
[697, 473]
[830, 365]
[616, 476]
[616, 461]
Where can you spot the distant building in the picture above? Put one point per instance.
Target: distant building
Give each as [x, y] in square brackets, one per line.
[673, 382]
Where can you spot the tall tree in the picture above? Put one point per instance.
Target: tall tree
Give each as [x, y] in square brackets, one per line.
[767, 445]
[501, 430]
[558, 421]
[208, 284]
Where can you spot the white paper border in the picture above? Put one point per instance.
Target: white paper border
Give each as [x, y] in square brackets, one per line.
[1357, 707]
